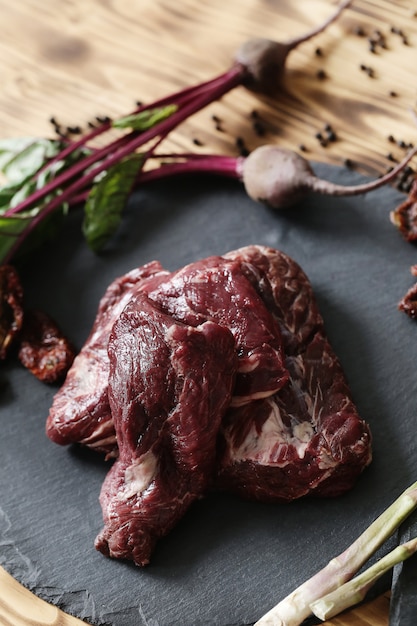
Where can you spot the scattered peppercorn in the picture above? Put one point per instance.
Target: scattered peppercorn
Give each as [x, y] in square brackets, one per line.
[259, 128]
[321, 74]
[318, 52]
[57, 127]
[240, 144]
[393, 94]
[218, 123]
[330, 133]
[322, 140]
[367, 69]
[408, 171]
[197, 142]
[103, 119]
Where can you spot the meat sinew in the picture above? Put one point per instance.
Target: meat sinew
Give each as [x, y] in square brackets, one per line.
[219, 375]
[169, 387]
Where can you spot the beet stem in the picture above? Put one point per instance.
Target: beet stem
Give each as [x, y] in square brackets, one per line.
[116, 151]
[293, 43]
[186, 163]
[128, 143]
[180, 98]
[203, 164]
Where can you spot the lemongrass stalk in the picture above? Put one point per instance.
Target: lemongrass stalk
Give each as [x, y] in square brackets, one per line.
[295, 607]
[355, 590]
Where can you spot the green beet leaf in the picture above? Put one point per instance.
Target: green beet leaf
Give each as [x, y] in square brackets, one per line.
[10, 230]
[145, 119]
[107, 199]
[21, 158]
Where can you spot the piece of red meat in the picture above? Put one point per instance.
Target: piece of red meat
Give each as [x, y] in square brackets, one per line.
[308, 438]
[169, 387]
[290, 427]
[216, 289]
[211, 289]
[80, 411]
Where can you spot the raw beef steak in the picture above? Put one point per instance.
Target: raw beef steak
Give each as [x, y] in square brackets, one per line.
[212, 289]
[216, 289]
[216, 376]
[80, 410]
[308, 438]
[169, 387]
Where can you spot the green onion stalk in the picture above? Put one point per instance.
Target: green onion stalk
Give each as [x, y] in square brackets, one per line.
[328, 592]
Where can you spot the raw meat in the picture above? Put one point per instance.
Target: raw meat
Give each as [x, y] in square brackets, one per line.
[169, 387]
[80, 410]
[217, 376]
[212, 289]
[308, 438]
[216, 289]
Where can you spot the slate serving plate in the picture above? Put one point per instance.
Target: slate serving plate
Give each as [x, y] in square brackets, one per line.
[229, 560]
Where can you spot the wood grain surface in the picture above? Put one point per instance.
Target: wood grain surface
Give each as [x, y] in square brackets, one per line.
[76, 59]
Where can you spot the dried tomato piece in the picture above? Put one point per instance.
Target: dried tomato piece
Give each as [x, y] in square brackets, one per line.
[404, 217]
[11, 307]
[44, 350]
[408, 304]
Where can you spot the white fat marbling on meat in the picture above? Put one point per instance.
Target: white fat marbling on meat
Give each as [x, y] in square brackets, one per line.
[139, 475]
[275, 437]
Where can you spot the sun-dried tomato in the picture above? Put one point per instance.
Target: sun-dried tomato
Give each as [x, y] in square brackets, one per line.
[404, 217]
[44, 350]
[11, 307]
[408, 304]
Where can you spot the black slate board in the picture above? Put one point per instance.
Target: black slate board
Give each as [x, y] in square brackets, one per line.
[228, 561]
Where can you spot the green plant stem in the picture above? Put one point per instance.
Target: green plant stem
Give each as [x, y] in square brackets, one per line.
[295, 608]
[355, 590]
[118, 149]
[78, 177]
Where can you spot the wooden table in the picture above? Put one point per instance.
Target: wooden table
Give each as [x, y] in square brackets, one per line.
[77, 59]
